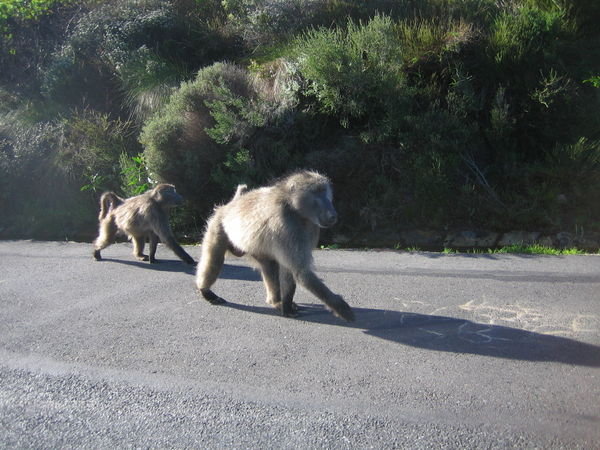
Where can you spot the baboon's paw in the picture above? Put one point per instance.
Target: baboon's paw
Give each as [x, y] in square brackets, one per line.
[217, 301]
[286, 310]
[343, 311]
[290, 311]
[211, 297]
[97, 255]
[142, 257]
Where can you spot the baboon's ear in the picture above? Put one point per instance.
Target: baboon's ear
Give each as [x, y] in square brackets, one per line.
[292, 185]
[159, 195]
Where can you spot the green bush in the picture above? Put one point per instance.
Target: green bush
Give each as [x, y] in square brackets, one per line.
[425, 113]
[29, 33]
[37, 200]
[524, 36]
[178, 148]
[364, 74]
[148, 81]
[570, 176]
[138, 48]
[354, 74]
[207, 139]
[533, 58]
[53, 173]
[134, 174]
[269, 22]
[374, 78]
[91, 145]
[25, 154]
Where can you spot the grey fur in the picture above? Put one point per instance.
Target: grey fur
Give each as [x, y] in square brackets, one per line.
[277, 227]
[140, 217]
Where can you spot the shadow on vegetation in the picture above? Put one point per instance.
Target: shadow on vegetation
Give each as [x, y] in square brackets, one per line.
[449, 334]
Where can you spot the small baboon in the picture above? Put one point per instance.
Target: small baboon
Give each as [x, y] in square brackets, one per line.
[140, 217]
[277, 226]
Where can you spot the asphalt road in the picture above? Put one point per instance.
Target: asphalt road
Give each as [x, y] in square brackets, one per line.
[447, 351]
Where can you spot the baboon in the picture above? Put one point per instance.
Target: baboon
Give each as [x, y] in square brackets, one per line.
[140, 217]
[277, 227]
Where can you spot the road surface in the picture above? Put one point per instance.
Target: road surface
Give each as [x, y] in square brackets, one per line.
[447, 351]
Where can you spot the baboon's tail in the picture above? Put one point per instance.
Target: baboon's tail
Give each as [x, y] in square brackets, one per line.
[241, 189]
[108, 201]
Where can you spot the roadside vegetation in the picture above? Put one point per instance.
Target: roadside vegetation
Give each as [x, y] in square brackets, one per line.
[518, 249]
[439, 114]
[535, 249]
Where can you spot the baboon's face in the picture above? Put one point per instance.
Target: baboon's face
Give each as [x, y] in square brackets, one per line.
[317, 206]
[168, 196]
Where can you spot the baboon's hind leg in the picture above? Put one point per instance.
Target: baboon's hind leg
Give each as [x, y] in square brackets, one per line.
[214, 246]
[106, 236]
[269, 269]
[287, 287]
[153, 245]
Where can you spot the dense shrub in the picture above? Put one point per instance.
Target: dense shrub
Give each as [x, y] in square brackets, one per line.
[37, 200]
[355, 73]
[139, 49]
[178, 147]
[566, 184]
[134, 174]
[90, 149]
[29, 32]
[452, 127]
[147, 82]
[436, 113]
[54, 172]
[266, 22]
[205, 139]
[371, 77]
[26, 149]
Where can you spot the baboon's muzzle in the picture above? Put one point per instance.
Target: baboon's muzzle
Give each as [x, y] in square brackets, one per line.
[329, 219]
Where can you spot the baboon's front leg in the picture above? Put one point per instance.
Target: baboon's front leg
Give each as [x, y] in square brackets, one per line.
[336, 303]
[138, 247]
[167, 238]
[287, 287]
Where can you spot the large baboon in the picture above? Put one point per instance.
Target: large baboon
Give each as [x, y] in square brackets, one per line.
[277, 226]
[140, 217]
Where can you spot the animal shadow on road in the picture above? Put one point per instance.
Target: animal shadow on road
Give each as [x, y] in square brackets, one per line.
[450, 334]
[162, 265]
[230, 271]
[438, 333]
